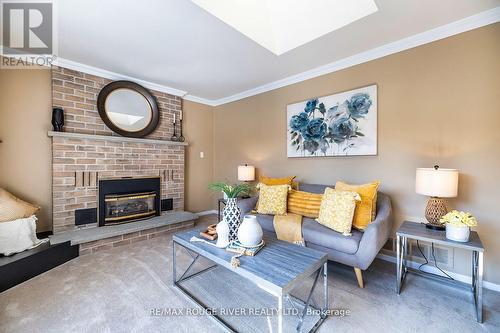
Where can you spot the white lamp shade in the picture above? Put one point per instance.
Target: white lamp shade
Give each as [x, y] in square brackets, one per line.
[442, 183]
[246, 173]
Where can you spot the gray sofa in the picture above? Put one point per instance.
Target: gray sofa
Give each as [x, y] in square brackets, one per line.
[357, 250]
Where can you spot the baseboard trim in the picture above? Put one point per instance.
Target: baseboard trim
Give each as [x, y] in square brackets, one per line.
[432, 269]
[206, 212]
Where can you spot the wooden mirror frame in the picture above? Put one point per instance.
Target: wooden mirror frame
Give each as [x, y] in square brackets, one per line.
[101, 107]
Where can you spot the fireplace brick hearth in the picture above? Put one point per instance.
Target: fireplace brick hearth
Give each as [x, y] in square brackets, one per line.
[75, 160]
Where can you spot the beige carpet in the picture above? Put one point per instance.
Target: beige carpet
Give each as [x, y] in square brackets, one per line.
[115, 291]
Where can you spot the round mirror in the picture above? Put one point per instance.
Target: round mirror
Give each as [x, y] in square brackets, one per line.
[128, 109]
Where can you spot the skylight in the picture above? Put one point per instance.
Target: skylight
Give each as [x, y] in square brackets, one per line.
[282, 25]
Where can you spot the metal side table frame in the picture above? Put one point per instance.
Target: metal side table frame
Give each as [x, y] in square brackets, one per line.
[321, 271]
[417, 231]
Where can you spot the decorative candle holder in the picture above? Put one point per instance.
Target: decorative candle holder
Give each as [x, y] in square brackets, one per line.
[180, 138]
[174, 136]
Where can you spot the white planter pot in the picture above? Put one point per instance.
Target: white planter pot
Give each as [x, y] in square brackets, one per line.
[458, 234]
[250, 231]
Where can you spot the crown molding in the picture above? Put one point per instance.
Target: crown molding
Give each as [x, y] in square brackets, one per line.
[201, 100]
[469, 23]
[466, 24]
[61, 62]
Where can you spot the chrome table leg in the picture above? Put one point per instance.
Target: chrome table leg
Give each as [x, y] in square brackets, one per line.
[280, 314]
[398, 264]
[174, 272]
[325, 289]
[479, 288]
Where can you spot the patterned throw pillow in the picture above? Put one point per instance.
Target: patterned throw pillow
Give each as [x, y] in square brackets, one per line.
[304, 203]
[272, 199]
[337, 210]
[365, 209]
[12, 208]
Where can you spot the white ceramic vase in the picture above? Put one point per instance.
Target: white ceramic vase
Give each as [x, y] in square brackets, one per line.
[250, 231]
[458, 234]
[222, 234]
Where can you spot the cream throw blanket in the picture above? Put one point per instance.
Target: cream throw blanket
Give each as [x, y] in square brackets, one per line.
[289, 228]
[18, 235]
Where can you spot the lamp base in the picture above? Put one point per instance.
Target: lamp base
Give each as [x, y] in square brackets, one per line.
[435, 227]
[434, 211]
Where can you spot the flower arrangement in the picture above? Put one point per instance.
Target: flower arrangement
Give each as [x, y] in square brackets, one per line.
[459, 219]
[232, 191]
[317, 128]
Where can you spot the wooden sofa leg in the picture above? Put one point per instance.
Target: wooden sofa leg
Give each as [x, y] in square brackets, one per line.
[359, 277]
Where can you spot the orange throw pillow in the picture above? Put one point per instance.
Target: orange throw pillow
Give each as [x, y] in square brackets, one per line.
[269, 181]
[366, 209]
[304, 203]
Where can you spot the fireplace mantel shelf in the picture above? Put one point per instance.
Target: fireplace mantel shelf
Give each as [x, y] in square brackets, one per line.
[72, 135]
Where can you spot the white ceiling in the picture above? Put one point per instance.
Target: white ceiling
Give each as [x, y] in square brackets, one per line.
[177, 44]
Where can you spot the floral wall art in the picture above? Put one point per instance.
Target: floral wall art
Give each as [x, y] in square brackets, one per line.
[343, 124]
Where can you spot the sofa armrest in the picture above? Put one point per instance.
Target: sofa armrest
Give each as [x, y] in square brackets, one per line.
[248, 204]
[376, 234]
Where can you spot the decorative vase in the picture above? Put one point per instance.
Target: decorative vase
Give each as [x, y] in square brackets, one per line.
[232, 215]
[222, 234]
[458, 234]
[250, 231]
[57, 119]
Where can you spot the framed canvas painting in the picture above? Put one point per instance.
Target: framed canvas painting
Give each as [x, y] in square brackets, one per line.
[343, 124]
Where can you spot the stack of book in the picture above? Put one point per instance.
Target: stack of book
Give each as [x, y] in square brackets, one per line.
[236, 247]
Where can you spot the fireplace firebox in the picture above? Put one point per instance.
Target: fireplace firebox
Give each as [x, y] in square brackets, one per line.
[128, 199]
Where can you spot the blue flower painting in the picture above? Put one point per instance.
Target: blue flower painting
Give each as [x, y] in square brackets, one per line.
[342, 124]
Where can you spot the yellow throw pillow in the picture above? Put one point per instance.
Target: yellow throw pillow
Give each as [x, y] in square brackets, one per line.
[272, 199]
[367, 208]
[337, 210]
[304, 203]
[12, 208]
[279, 181]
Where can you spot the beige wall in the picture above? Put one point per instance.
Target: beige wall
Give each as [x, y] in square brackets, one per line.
[198, 130]
[438, 103]
[25, 154]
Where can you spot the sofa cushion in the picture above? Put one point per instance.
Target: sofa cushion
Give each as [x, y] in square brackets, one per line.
[318, 234]
[304, 203]
[337, 210]
[279, 181]
[367, 207]
[314, 188]
[266, 221]
[272, 199]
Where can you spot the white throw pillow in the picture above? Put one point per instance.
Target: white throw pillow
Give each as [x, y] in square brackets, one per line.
[18, 235]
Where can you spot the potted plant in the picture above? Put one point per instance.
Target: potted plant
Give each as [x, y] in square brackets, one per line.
[231, 213]
[458, 225]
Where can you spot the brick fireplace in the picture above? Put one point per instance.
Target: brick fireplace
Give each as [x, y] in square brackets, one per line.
[88, 151]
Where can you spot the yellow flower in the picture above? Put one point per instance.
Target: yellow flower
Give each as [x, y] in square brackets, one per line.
[459, 219]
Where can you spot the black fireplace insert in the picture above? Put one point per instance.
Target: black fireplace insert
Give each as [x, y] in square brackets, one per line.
[128, 199]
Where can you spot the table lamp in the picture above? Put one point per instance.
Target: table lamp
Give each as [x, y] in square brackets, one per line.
[246, 173]
[436, 183]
